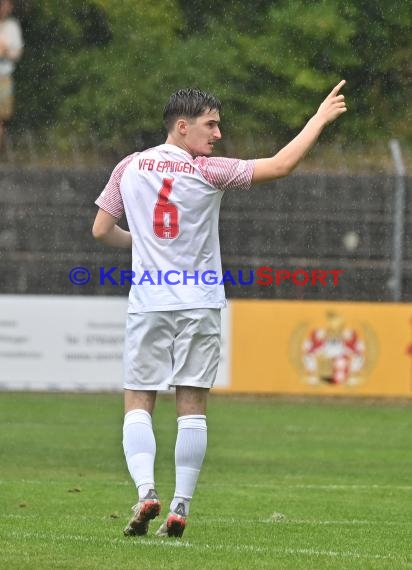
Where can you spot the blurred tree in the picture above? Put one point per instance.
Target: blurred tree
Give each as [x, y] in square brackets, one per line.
[96, 67]
[122, 93]
[381, 75]
[245, 16]
[273, 73]
[54, 33]
[105, 68]
[271, 77]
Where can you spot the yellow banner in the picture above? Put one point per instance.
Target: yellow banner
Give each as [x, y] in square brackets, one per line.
[321, 348]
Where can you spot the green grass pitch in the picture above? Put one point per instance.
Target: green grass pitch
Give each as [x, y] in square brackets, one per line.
[339, 473]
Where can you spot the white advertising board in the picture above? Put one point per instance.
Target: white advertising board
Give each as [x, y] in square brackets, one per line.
[53, 343]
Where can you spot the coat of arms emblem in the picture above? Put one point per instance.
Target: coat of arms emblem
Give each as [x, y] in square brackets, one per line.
[334, 352]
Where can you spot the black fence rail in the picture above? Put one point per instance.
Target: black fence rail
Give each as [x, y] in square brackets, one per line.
[300, 224]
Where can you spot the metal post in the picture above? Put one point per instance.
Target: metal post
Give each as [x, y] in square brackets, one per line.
[398, 222]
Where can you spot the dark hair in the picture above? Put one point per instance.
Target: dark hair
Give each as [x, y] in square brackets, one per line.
[190, 103]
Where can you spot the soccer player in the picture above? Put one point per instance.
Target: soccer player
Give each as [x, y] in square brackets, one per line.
[171, 196]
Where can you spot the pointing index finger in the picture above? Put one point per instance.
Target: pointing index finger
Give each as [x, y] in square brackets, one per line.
[336, 89]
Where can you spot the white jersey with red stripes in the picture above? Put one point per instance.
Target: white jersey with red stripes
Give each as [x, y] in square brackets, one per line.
[172, 201]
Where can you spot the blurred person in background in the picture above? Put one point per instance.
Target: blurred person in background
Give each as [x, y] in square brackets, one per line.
[11, 48]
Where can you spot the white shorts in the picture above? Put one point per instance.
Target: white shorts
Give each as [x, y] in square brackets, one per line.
[171, 348]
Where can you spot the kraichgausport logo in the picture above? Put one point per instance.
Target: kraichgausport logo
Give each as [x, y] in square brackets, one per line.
[263, 276]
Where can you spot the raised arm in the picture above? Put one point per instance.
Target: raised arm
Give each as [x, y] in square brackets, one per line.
[106, 230]
[289, 157]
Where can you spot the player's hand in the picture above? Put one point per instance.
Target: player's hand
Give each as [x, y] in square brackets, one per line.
[334, 105]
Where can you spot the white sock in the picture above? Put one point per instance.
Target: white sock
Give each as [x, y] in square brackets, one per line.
[191, 443]
[140, 449]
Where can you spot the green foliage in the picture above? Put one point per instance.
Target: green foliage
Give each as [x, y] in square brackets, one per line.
[105, 69]
[123, 93]
[97, 67]
[381, 79]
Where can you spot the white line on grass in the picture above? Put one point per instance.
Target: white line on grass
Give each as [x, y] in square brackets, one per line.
[61, 483]
[270, 520]
[276, 485]
[231, 520]
[323, 487]
[338, 487]
[340, 522]
[280, 551]
[242, 548]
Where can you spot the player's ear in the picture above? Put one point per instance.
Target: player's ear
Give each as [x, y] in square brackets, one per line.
[181, 126]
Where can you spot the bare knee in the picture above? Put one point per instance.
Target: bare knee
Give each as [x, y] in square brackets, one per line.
[139, 400]
[191, 401]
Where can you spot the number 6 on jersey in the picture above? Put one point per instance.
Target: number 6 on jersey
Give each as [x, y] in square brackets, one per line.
[165, 215]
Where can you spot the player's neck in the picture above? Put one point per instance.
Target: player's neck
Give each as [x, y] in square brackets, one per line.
[179, 143]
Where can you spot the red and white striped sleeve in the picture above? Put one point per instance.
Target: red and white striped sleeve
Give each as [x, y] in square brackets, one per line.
[226, 173]
[110, 200]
